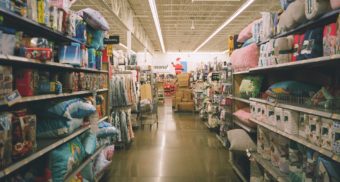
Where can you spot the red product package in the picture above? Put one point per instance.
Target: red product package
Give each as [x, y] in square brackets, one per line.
[24, 81]
[298, 43]
[330, 39]
[42, 54]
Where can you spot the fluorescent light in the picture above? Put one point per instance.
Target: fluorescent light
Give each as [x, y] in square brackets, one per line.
[125, 47]
[194, 53]
[154, 12]
[230, 19]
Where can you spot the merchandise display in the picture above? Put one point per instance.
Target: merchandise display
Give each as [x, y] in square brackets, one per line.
[256, 82]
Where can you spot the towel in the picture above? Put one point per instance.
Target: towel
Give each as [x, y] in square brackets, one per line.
[315, 8]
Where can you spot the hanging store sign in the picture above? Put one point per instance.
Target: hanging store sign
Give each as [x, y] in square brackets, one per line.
[114, 39]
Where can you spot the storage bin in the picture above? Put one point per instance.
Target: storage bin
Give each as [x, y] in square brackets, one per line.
[70, 54]
[291, 121]
[314, 126]
[279, 123]
[303, 125]
[327, 133]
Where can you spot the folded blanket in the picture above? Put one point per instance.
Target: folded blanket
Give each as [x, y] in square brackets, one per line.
[312, 44]
[293, 16]
[315, 8]
[335, 4]
[283, 49]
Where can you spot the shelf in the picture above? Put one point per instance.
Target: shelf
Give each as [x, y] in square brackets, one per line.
[272, 170]
[103, 119]
[83, 165]
[247, 128]
[308, 62]
[223, 141]
[53, 96]
[323, 20]
[318, 112]
[300, 140]
[35, 29]
[241, 72]
[16, 60]
[43, 149]
[241, 100]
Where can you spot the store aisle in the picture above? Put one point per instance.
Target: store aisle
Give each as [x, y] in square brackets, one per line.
[182, 149]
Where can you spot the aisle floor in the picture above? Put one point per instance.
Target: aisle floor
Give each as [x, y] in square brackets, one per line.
[181, 150]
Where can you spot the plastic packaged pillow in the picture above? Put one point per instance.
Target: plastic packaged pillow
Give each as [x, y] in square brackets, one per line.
[109, 131]
[94, 19]
[95, 38]
[74, 108]
[292, 88]
[293, 16]
[57, 127]
[244, 115]
[250, 86]
[108, 152]
[335, 4]
[246, 33]
[87, 172]
[285, 3]
[89, 141]
[283, 49]
[104, 124]
[65, 158]
[315, 8]
[245, 58]
[312, 44]
[101, 163]
[240, 140]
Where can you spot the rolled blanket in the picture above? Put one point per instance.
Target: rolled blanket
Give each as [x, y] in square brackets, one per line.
[335, 4]
[315, 8]
[293, 16]
[283, 49]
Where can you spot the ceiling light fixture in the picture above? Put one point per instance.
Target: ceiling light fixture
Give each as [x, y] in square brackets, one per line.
[230, 19]
[154, 12]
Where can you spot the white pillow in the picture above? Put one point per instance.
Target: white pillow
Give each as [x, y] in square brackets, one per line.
[94, 19]
[240, 140]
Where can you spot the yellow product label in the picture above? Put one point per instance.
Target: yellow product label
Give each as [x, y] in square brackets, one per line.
[41, 11]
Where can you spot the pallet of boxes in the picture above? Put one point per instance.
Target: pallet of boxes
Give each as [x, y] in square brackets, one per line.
[183, 99]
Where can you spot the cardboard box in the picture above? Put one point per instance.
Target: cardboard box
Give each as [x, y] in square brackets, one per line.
[186, 106]
[183, 84]
[146, 92]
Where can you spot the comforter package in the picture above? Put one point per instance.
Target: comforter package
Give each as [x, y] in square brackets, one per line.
[312, 44]
[245, 58]
[315, 8]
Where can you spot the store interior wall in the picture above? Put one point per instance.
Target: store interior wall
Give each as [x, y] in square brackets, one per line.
[193, 60]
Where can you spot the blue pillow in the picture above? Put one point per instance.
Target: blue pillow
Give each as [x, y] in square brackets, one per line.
[54, 128]
[292, 88]
[104, 124]
[109, 131]
[89, 141]
[74, 108]
[66, 158]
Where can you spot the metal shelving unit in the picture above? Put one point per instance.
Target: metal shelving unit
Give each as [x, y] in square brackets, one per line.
[35, 29]
[274, 171]
[83, 165]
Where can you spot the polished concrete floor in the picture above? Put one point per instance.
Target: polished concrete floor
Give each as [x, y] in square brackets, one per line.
[180, 150]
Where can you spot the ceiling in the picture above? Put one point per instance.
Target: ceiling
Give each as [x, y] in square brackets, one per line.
[177, 17]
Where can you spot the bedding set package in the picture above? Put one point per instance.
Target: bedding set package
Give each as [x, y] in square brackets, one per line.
[121, 119]
[122, 91]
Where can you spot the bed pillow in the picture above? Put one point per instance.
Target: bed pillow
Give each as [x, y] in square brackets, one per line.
[89, 141]
[246, 33]
[315, 8]
[293, 16]
[65, 158]
[109, 131]
[108, 152]
[292, 88]
[285, 3]
[335, 4]
[243, 115]
[245, 58]
[54, 128]
[101, 163]
[94, 19]
[250, 86]
[87, 172]
[74, 108]
[240, 140]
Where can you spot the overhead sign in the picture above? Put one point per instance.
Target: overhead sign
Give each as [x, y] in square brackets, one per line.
[114, 39]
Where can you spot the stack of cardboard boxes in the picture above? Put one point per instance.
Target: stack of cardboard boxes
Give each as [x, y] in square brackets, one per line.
[183, 99]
